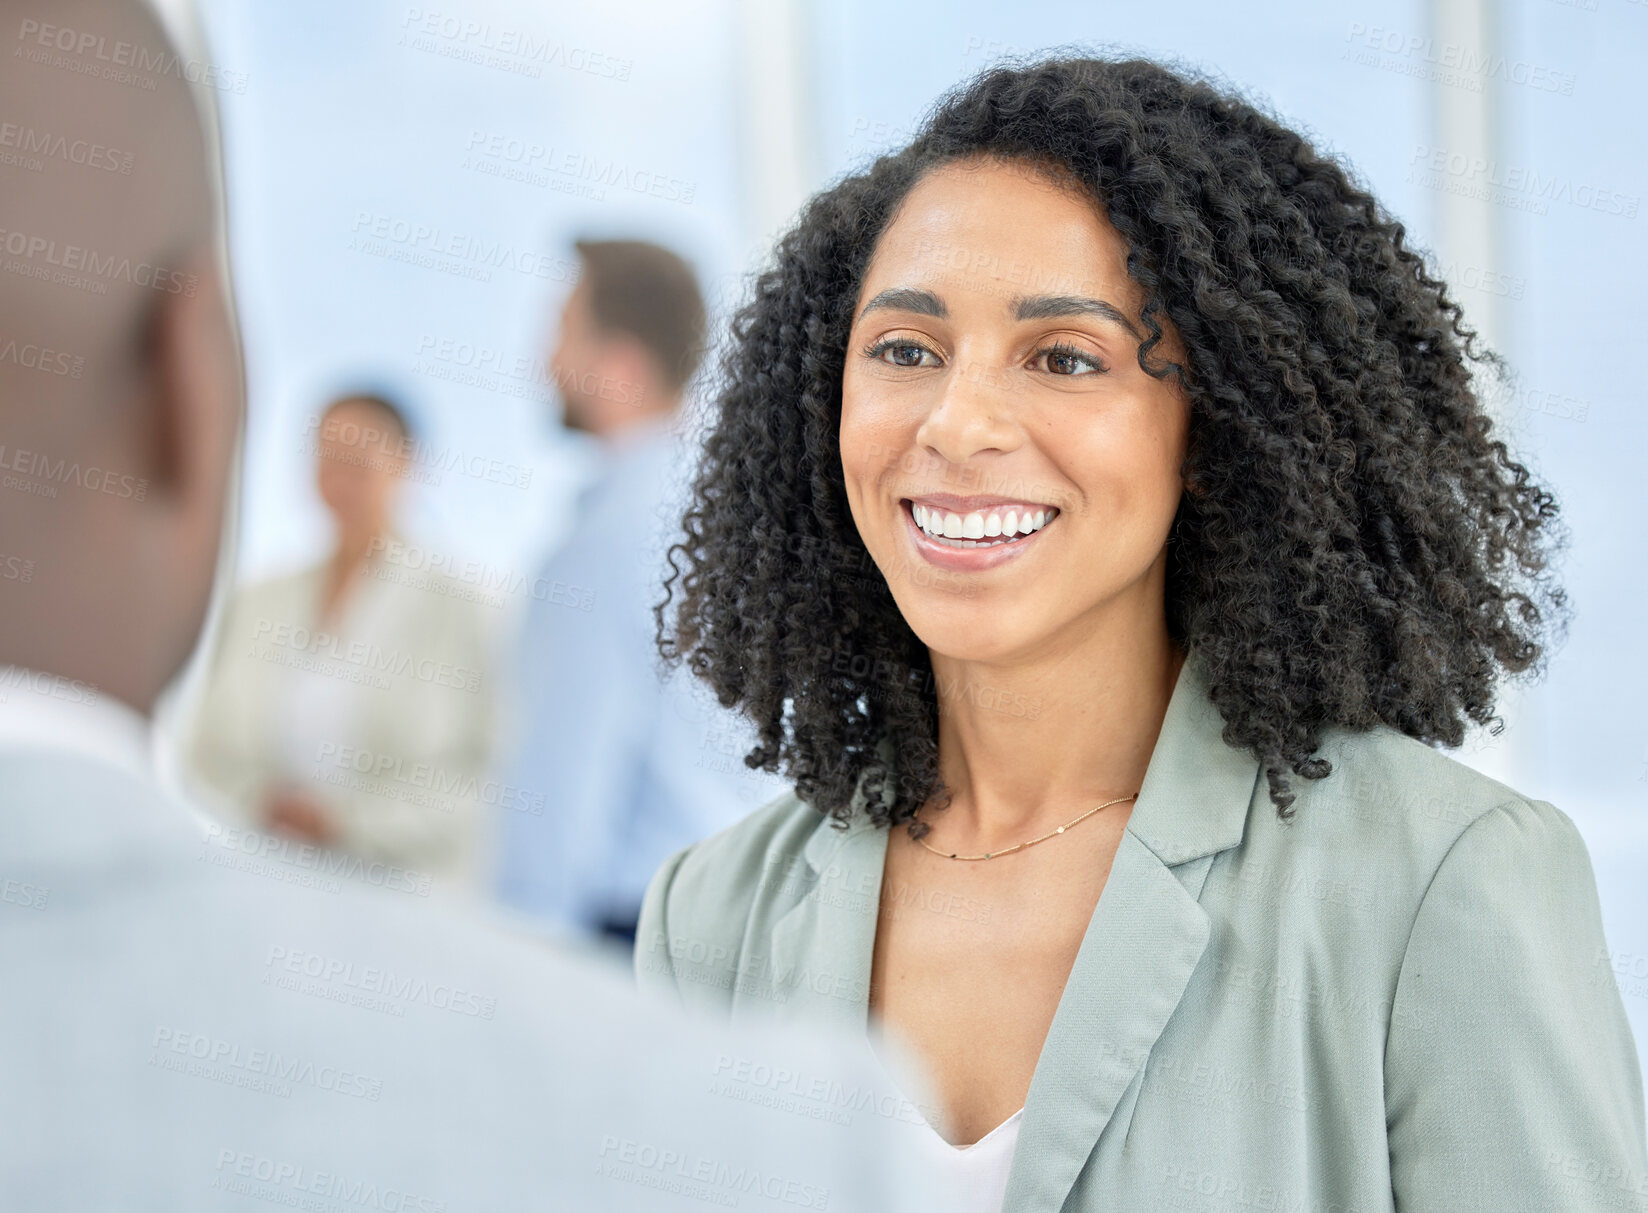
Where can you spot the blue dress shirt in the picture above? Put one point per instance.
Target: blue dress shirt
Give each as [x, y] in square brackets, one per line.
[617, 767]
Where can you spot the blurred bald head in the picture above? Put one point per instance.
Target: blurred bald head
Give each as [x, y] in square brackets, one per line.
[120, 385]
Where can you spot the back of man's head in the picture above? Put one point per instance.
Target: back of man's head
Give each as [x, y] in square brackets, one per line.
[646, 292]
[120, 385]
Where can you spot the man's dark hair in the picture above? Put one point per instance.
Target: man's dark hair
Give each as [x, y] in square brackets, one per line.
[648, 293]
[1363, 551]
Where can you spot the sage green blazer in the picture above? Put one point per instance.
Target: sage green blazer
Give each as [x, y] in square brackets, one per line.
[1402, 1000]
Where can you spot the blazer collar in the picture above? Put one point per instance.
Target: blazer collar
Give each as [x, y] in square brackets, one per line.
[1146, 937]
[1196, 789]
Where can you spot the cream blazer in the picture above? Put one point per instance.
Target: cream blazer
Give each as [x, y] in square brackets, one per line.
[405, 778]
[1403, 1000]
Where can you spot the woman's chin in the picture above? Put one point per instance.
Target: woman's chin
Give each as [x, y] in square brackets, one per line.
[969, 632]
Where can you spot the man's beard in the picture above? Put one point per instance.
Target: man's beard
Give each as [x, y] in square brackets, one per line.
[570, 420]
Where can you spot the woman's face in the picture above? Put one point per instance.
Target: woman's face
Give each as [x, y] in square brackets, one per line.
[992, 381]
[359, 465]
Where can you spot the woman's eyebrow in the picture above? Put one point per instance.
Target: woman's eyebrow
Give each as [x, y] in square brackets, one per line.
[908, 299]
[1045, 307]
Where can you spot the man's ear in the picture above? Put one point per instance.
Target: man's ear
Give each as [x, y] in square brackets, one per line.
[195, 393]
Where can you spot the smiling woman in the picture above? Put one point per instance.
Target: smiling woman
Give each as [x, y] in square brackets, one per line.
[1146, 414]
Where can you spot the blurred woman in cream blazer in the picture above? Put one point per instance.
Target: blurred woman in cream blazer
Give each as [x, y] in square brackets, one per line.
[349, 704]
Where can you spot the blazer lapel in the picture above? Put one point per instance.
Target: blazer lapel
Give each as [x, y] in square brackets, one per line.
[819, 965]
[822, 948]
[1145, 938]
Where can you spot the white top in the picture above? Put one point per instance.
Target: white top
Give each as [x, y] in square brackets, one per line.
[979, 1171]
[316, 707]
[53, 712]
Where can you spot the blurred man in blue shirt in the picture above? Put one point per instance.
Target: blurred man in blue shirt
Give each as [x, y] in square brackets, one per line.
[629, 765]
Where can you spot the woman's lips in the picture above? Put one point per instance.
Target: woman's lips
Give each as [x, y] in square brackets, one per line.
[953, 554]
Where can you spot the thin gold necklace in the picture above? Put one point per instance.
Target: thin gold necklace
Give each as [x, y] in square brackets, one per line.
[1033, 841]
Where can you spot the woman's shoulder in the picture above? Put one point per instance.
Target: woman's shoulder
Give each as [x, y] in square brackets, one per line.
[703, 900]
[1386, 775]
[1397, 806]
[718, 877]
[269, 608]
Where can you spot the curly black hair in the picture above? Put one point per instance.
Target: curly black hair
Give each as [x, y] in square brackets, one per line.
[1353, 548]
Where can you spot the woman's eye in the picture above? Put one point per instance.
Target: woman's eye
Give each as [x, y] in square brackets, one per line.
[1066, 360]
[903, 353]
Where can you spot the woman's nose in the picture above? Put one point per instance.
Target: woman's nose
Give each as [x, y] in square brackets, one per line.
[971, 413]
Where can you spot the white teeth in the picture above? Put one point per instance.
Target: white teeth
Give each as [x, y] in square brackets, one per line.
[978, 525]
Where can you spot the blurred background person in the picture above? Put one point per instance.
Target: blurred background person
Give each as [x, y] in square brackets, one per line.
[349, 704]
[631, 767]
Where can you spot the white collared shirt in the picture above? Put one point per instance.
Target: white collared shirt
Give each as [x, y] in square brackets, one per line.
[50, 712]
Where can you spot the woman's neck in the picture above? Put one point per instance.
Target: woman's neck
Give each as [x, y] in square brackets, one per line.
[1026, 747]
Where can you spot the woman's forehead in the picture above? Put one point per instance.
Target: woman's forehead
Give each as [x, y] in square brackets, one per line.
[999, 229]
